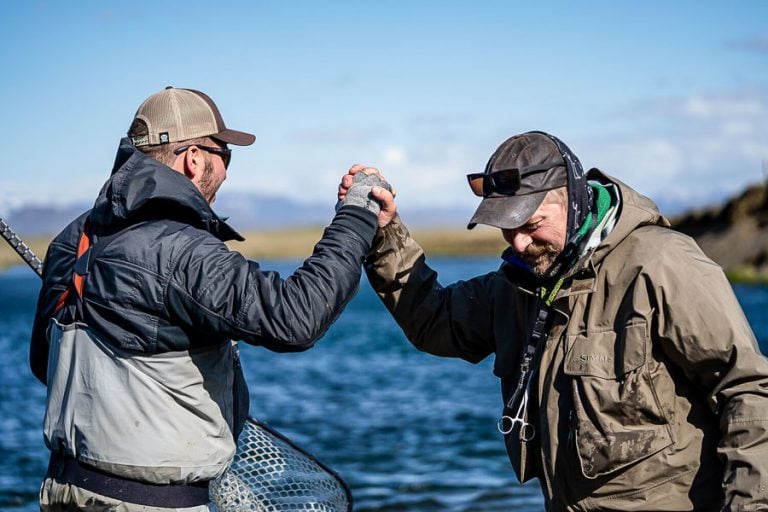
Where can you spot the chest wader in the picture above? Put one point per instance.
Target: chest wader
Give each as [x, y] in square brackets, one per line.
[147, 429]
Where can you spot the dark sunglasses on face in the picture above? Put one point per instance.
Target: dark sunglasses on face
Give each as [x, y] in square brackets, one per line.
[224, 153]
[503, 181]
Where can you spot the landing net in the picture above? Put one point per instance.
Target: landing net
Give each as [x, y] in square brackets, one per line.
[271, 474]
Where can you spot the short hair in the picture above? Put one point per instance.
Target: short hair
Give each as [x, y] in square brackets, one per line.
[163, 153]
[557, 195]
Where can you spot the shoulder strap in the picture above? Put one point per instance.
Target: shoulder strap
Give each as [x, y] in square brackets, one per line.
[88, 248]
[80, 267]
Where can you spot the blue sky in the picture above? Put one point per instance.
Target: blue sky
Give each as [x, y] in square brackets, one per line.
[670, 97]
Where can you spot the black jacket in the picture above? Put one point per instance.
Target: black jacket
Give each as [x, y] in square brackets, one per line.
[161, 278]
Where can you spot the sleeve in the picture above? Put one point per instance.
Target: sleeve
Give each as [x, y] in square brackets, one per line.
[452, 321]
[217, 291]
[702, 328]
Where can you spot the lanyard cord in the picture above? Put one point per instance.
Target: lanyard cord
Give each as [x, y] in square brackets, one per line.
[538, 336]
[552, 294]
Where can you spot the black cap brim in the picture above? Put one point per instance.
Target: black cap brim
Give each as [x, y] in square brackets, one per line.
[507, 212]
[235, 137]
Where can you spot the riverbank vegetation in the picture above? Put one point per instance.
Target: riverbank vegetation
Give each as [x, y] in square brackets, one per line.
[8, 256]
[297, 244]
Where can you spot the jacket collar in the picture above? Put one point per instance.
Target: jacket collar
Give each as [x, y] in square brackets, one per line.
[636, 210]
[141, 187]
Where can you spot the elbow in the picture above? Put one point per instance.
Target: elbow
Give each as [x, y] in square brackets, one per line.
[305, 339]
[295, 340]
[294, 345]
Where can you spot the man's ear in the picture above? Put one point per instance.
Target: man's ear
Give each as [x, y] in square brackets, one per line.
[193, 162]
[190, 163]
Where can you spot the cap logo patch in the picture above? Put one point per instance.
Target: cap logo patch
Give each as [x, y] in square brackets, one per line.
[164, 138]
[141, 140]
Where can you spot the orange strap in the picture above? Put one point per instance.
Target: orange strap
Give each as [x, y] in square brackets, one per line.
[77, 280]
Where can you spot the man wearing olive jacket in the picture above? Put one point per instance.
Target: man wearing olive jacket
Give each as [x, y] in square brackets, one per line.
[630, 377]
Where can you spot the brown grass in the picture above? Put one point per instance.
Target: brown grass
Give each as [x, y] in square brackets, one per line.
[481, 241]
[280, 244]
[298, 243]
[9, 257]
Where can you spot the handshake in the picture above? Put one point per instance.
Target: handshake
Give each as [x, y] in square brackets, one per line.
[366, 187]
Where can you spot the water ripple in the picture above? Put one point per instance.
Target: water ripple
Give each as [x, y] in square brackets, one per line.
[408, 431]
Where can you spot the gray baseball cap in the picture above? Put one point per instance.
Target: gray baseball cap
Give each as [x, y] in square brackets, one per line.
[539, 168]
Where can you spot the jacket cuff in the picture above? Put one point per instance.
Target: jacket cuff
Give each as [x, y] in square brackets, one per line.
[361, 221]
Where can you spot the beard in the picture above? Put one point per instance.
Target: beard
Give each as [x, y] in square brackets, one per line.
[540, 257]
[207, 186]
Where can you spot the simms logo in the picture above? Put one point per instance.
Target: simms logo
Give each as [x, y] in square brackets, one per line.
[595, 358]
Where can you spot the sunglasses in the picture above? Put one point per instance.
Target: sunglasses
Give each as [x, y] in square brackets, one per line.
[224, 153]
[503, 181]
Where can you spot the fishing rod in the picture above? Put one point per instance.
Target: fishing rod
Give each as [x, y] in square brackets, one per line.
[269, 470]
[21, 248]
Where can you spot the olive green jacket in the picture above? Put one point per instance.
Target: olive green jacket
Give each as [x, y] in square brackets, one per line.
[650, 392]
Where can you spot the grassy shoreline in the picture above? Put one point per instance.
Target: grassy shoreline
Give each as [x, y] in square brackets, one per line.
[298, 244]
[9, 258]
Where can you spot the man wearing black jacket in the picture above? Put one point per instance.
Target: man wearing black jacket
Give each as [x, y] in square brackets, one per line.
[140, 300]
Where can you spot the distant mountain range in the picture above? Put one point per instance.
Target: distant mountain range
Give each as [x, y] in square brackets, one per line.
[245, 211]
[734, 234]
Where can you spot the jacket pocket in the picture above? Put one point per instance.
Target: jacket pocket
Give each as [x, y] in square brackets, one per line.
[617, 418]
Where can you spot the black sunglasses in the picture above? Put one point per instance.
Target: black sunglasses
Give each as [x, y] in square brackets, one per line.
[503, 181]
[224, 153]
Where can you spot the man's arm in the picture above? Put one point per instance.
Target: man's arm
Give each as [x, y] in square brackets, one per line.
[452, 321]
[217, 291]
[702, 328]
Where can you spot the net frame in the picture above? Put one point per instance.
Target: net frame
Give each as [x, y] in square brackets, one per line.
[270, 473]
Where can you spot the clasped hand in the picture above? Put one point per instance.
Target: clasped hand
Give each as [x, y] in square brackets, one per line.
[366, 187]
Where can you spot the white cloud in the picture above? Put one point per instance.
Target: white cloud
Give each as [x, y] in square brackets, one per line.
[337, 135]
[393, 155]
[694, 149]
[714, 107]
[698, 148]
[737, 128]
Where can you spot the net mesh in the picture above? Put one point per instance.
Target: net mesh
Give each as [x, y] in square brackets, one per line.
[271, 474]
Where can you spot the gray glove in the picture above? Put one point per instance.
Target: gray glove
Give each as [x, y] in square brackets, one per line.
[359, 194]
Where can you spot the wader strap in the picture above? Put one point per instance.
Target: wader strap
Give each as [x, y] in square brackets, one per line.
[74, 472]
[81, 267]
[89, 248]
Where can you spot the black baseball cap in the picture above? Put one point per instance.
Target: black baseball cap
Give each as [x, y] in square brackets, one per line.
[539, 167]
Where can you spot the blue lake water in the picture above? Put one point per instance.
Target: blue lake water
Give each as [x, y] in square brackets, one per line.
[408, 431]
